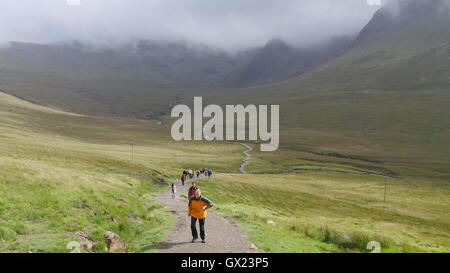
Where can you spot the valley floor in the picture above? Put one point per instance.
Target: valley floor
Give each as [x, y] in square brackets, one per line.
[62, 175]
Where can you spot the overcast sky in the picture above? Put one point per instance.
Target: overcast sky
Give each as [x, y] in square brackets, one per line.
[228, 24]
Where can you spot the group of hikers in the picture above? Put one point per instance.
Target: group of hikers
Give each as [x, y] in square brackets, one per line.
[197, 205]
[190, 174]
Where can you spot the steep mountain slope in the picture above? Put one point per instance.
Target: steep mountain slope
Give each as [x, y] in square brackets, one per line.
[415, 57]
[390, 51]
[388, 94]
[143, 78]
[400, 16]
[278, 61]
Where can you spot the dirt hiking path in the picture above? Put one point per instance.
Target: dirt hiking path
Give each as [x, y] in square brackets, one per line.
[223, 234]
[247, 158]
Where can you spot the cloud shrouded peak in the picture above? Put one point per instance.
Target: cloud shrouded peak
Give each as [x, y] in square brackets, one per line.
[230, 24]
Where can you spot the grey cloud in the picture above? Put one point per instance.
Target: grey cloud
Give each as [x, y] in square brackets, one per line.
[226, 24]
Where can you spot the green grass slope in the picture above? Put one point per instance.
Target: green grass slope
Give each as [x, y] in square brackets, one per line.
[64, 174]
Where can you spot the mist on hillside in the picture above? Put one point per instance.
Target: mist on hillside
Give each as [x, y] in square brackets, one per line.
[230, 25]
[401, 7]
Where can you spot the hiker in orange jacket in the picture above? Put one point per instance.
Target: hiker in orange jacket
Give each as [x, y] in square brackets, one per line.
[197, 210]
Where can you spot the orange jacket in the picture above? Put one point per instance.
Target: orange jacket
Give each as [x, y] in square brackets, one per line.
[197, 207]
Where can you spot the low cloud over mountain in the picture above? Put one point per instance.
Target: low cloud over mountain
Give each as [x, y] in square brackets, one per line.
[229, 25]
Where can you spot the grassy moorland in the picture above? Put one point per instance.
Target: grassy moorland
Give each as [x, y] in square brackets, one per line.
[324, 187]
[62, 174]
[333, 207]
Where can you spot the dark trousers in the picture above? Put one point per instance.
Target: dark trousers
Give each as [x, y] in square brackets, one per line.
[194, 229]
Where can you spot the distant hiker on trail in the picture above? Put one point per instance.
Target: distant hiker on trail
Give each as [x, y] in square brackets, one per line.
[191, 174]
[183, 179]
[197, 210]
[185, 172]
[174, 191]
[198, 174]
[209, 171]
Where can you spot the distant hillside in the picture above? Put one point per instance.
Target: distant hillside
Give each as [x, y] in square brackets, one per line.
[278, 61]
[157, 63]
[142, 79]
[388, 92]
[400, 16]
[405, 46]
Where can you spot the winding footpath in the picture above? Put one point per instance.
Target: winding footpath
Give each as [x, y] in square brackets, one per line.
[223, 234]
[247, 158]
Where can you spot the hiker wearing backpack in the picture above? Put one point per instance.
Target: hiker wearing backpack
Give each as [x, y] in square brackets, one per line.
[191, 174]
[197, 211]
[198, 174]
